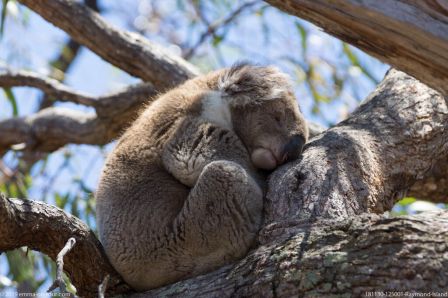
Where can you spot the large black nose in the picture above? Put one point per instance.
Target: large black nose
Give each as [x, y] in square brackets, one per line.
[293, 149]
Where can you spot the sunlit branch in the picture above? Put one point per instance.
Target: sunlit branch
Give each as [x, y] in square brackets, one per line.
[128, 51]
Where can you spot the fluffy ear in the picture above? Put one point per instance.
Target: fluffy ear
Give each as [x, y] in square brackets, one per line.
[245, 84]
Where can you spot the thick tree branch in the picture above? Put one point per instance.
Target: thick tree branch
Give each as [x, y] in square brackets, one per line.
[46, 228]
[410, 35]
[340, 258]
[434, 187]
[367, 162]
[128, 51]
[51, 128]
[61, 64]
[359, 254]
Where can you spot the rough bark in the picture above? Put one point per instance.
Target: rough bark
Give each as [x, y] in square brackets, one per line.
[130, 52]
[434, 187]
[327, 257]
[410, 35]
[367, 162]
[333, 259]
[47, 228]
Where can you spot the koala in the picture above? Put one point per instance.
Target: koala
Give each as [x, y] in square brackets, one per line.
[182, 192]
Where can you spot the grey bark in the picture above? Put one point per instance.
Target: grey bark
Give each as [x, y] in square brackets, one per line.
[297, 258]
[52, 128]
[434, 187]
[367, 162]
[411, 35]
[46, 228]
[130, 52]
[330, 258]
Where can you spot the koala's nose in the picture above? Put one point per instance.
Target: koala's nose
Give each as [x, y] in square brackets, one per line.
[293, 149]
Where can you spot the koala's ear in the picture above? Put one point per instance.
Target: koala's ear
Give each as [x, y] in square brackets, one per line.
[245, 84]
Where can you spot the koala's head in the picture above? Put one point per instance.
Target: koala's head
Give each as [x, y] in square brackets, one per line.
[264, 113]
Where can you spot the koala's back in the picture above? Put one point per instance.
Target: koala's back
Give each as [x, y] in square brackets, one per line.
[137, 199]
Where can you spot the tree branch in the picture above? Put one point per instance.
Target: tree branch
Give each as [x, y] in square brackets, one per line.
[52, 128]
[359, 254]
[367, 162]
[129, 51]
[46, 228]
[49, 86]
[332, 258]
[59, 281]
[212, 28]
[434, 187]
[410, 35]
[61, 64]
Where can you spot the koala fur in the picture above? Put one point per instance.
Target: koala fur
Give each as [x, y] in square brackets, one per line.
[181, 193]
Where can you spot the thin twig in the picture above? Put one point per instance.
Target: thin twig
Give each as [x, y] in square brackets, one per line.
[103, 287]
[49, 86]
[212, 28]
[59, 281]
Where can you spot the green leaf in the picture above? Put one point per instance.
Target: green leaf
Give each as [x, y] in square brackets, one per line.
[355, 62]
[12, 99]
[303, 37]
[3, 17]
[22, 267]
[74, 207]
[61, 201]
[406, 201]
[217, 39]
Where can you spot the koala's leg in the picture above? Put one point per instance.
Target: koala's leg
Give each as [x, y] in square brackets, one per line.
[221, 217]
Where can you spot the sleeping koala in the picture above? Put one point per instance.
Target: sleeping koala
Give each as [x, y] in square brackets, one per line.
[181, 194]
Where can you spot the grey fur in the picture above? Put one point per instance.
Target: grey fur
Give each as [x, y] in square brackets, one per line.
[180, 195]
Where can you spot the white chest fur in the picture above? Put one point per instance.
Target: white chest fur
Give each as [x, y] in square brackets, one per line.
[216, 110]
